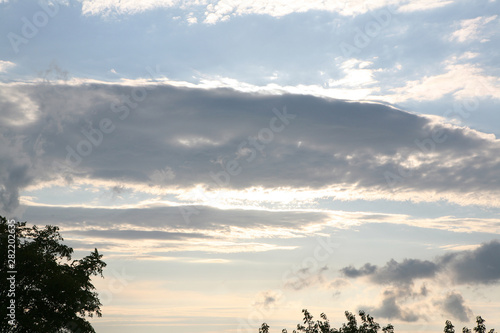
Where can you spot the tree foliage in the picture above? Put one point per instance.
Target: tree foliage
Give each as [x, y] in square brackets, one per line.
[449, 328]
[53, 293]
[480, 327]
[368, 325]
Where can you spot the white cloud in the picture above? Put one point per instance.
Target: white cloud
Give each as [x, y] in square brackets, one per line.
[107, 7]
[461, 80]
[357, 75]
[192, 19]
[413, 6]
[5, 65]
[471, 29]
[222, 10]
[457, 247]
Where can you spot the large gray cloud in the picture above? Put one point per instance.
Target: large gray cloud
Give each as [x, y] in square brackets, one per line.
[224, 138]
[479, 266]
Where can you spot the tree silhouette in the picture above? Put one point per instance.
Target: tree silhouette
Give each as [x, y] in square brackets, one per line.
[52, 293]
[368, 325]
[449, 328]
[323, 326]
[480, 327]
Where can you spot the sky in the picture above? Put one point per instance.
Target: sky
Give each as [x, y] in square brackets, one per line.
[238, 161]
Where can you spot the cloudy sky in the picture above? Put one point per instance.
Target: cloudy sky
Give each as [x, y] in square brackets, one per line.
[239, 161]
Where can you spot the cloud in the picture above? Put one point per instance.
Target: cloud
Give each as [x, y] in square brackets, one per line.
[352, 272]
[454, 305]
[393, 272]
[5, 65]
[136, 234]
[268, 299]
[305, 277]
[462, 268]
[248, 230]
[15, 171]
[470, 29]
[18, 108]
[424, 5]
[170, 218]
[479, 266]
[222, 10]
[159, 231]
[357, 74]
[389, 308]
[129, 7]
[159, 137]
[404, 272]
[195, 204]
[463, 81]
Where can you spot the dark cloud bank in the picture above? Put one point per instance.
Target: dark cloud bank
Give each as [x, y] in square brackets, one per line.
[180, 137]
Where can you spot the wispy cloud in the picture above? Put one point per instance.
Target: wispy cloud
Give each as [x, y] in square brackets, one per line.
[471, 29]
[5, 65]
[462, 80]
